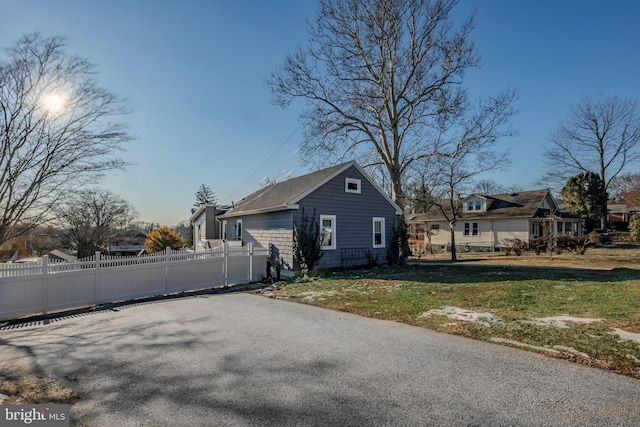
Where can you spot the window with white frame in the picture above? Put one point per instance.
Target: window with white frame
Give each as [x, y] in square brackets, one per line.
[474, 205]
[378, 233]
[327, 232]
[352, 185]
[471, 229]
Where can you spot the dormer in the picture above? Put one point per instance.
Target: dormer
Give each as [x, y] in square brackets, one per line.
[548, 203]
[475, 203]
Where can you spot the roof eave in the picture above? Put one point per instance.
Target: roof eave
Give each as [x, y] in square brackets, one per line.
[287, 206]
[197, 213]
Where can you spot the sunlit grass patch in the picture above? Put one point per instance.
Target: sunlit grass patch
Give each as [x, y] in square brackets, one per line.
[505, 305]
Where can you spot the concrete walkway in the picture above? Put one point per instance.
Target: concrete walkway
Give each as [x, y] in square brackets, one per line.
[243, 360]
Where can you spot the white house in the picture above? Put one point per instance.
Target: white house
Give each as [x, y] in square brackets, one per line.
[485, 221]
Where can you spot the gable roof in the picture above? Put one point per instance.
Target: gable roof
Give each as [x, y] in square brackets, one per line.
[286, 194]
[523, 204]
[203, 208]
[62, 255]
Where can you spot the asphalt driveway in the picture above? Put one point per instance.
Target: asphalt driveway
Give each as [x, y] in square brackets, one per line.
[241, 359]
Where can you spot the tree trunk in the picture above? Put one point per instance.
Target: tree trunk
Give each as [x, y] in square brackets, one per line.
[397, 192]
[605, 211]
[453, 245]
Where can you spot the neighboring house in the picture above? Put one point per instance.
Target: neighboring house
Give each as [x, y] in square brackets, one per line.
[356, 218]
[129, 246]
[58, 255]
[485, 221]
[618, 215]
[208, 231]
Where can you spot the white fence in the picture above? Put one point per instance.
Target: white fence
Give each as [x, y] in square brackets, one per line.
[47, 286]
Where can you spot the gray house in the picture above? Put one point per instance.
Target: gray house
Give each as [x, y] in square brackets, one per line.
[355, 216]
[207, 232]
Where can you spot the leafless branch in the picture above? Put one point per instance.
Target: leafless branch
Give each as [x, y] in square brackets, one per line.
[48, 151]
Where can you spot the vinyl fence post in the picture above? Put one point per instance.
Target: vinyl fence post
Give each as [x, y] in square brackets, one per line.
[96, 276]
[250, 262]
[45, 284]
[167, 253]
[226, 264]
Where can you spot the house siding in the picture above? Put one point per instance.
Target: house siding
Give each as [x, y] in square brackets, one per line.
[511, 229]
[200, 232]
[440, 236]
[491, 232]
[354, 216]
[205, 227]
[275, 229]
[211, 231]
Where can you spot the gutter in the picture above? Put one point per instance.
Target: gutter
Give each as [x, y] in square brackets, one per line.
[284, 207]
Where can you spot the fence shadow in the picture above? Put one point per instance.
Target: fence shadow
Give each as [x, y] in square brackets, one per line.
[28, 321]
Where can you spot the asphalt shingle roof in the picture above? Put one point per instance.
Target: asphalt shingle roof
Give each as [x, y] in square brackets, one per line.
[279, 195]
[523, 204]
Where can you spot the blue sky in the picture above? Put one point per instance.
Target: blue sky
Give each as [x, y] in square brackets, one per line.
[193, 73]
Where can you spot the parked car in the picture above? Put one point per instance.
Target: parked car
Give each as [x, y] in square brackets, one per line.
[605, 237]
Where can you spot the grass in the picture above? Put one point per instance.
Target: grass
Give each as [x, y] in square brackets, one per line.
[602, 285]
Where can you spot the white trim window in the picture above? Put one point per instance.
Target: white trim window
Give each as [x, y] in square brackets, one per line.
[474, 205]
[471, 229]
[378, 233]
[352, 185]
[327, 232]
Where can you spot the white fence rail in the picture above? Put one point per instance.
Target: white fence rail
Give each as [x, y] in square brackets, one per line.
[47, 286]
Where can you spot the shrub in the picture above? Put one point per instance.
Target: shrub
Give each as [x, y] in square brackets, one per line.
[306, 242]
[373, 259]
[558, 244]
[634, 228]
[399, 249]
[513, 245]
[162, 238]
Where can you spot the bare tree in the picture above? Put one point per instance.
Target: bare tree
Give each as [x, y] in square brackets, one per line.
[625, 188]
[632, 197]
[56, 130]
[381, 78]
[93, 219]
[450, 176]
[267, 181]
[488, 186]
[601, 134]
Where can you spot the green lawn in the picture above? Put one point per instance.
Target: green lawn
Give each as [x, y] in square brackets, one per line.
[503, 304]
